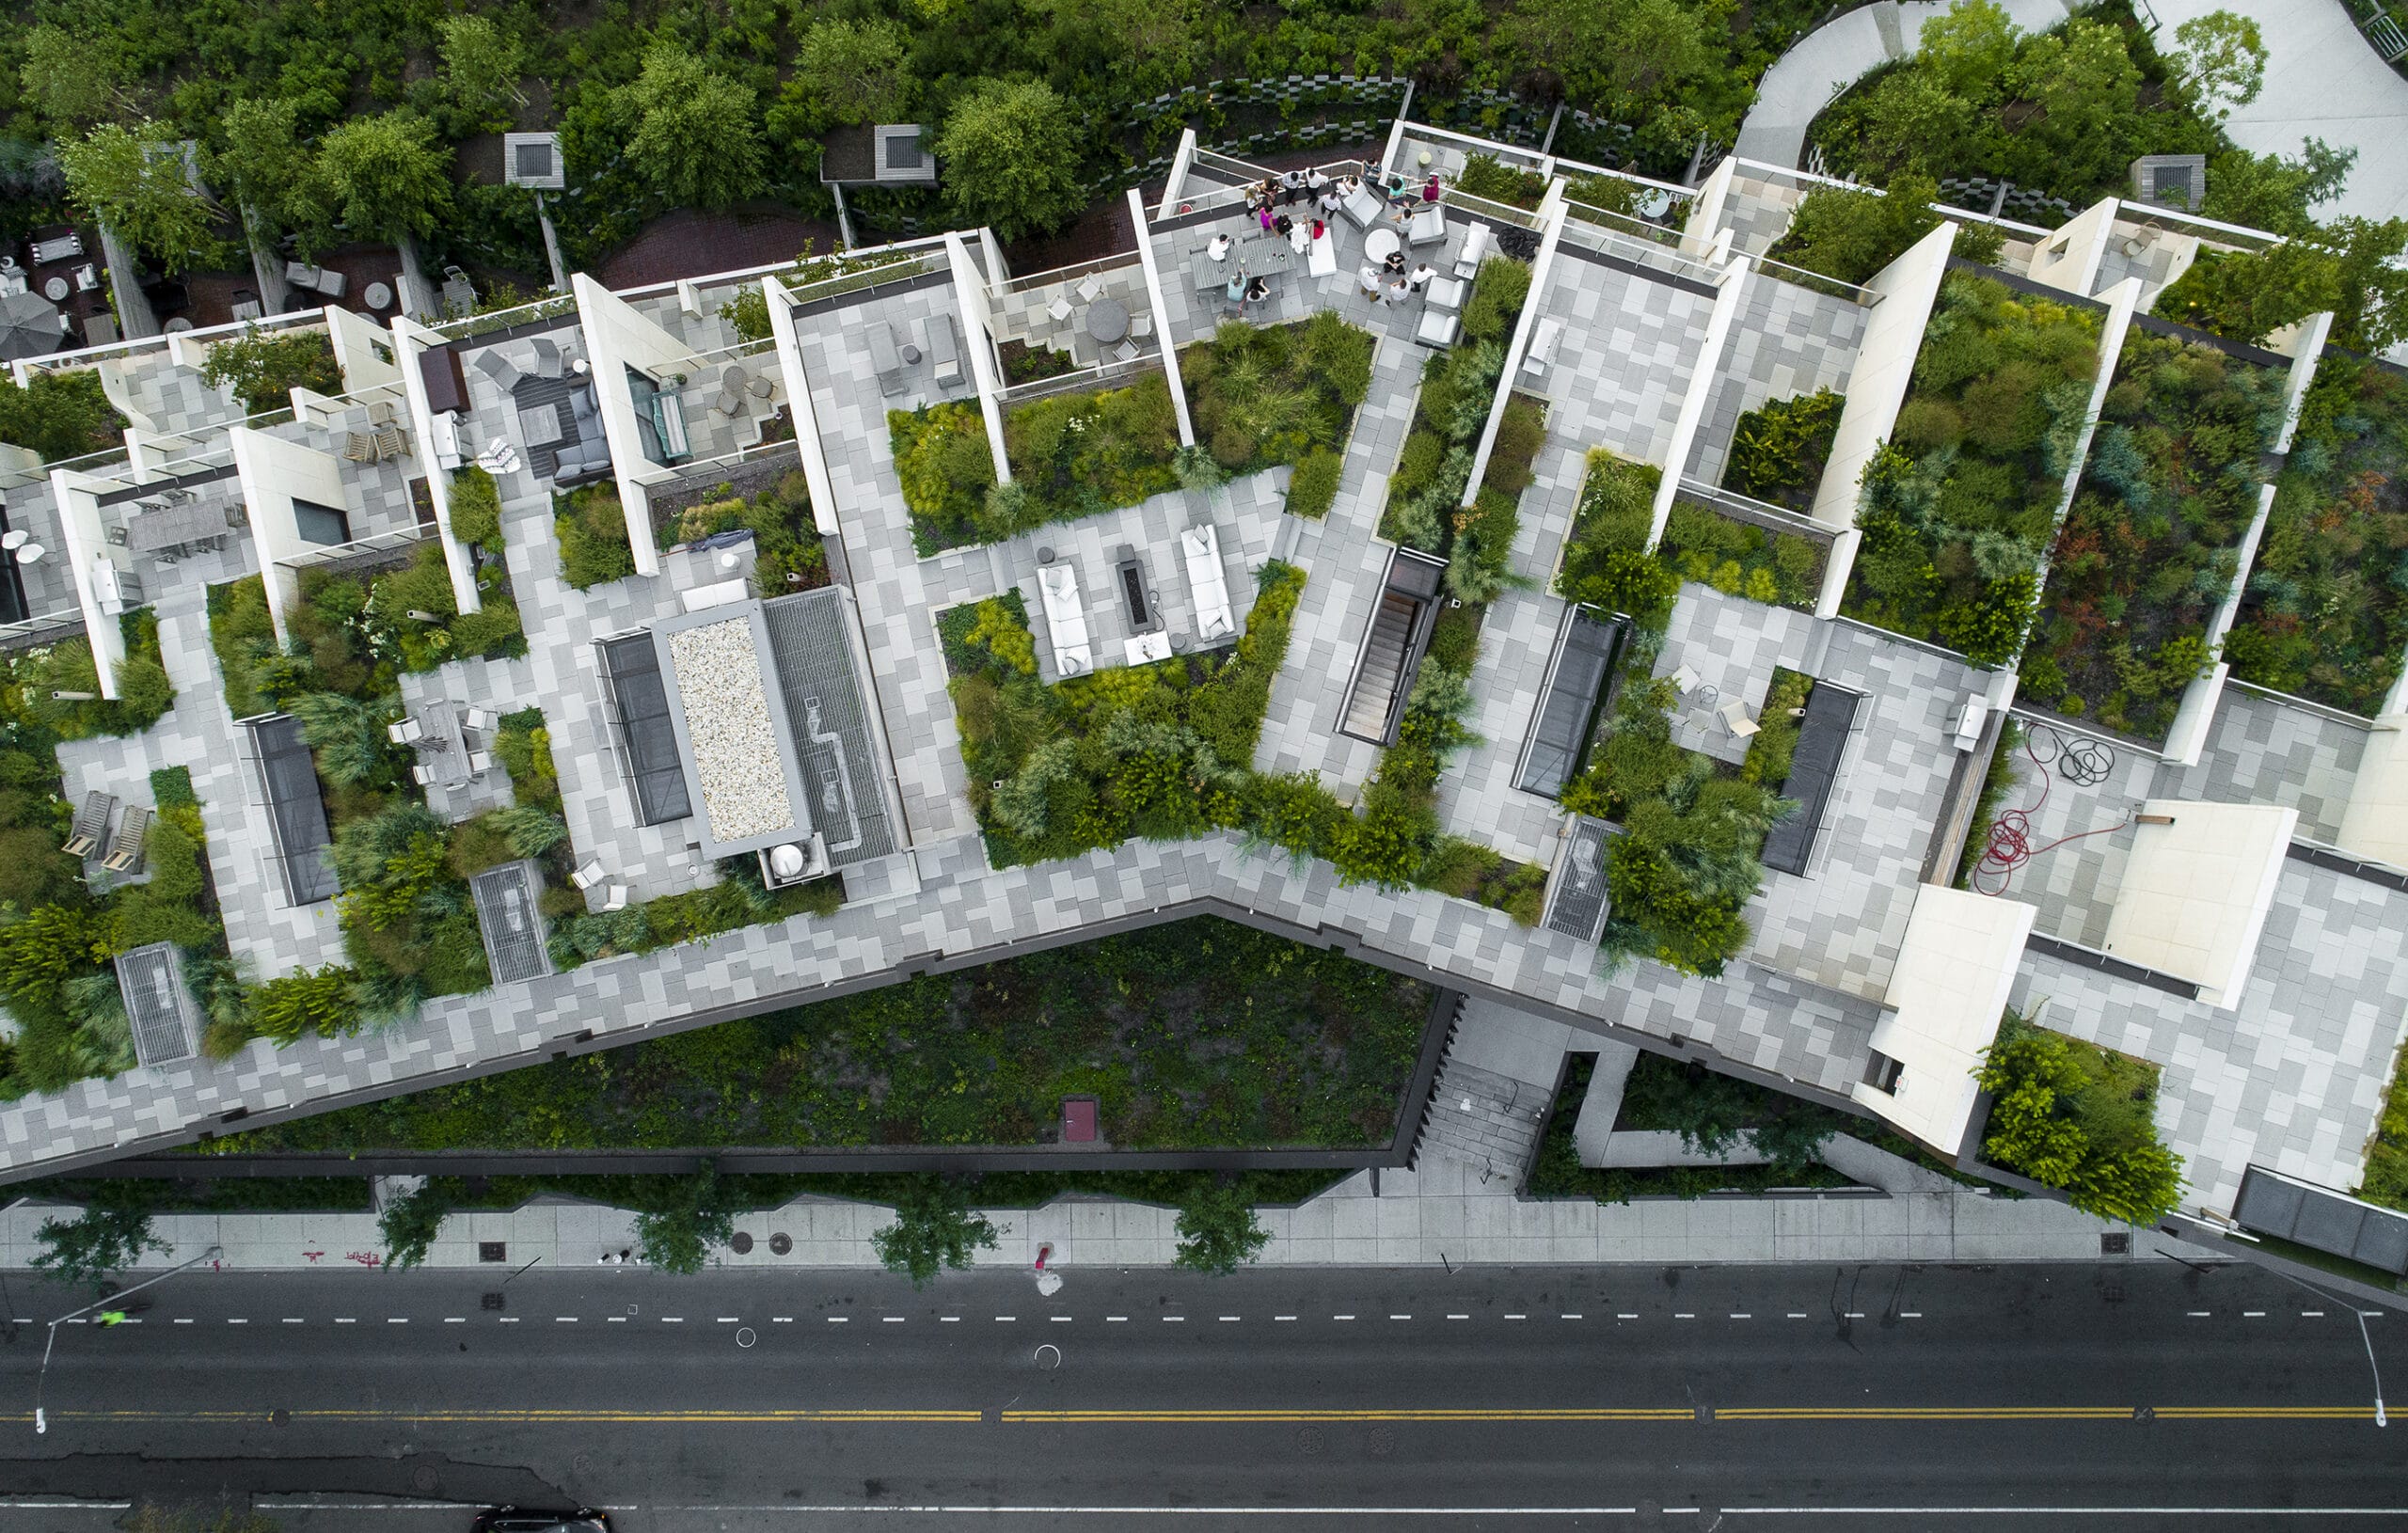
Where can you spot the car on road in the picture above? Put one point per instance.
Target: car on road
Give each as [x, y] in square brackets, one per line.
[528, 1520]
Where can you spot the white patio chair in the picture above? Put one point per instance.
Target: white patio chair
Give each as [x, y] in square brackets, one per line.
[1735, 720]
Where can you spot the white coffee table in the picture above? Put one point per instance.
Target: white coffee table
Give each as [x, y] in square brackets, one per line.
[1379, 244]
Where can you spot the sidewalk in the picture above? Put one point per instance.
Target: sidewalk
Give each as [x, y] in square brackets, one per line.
[1441, 1215]
[2322, 81]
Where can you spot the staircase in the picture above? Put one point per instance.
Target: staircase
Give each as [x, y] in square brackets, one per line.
[1373, 701]
[1478, 1118]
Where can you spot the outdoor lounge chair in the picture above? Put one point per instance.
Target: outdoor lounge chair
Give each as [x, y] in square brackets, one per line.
[944, 349]
[91, 824]
[588, 875]
[1475, 249]
[1365, 207]
[548, 363]
[1428, 227]
[497, 367]
[1543, 340]
[616, 899]
[1439, 327]
[125, 847]
[359, 447]
[390, 443]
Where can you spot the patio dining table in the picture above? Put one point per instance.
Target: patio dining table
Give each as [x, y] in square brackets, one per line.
[1265, 255]
[177, 527]
[443, 750]
[1108, 320]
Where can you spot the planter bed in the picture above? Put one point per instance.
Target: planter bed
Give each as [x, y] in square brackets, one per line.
[1285, 395]
[1715, 545]
[2148, 549]
[1073, 454]
[2326, 612]
[1199, 1035]
[1958, 508]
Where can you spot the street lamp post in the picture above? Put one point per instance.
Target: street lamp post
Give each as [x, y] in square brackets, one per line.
[41, 1377]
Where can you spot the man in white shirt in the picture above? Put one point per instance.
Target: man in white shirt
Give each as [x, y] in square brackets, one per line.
[1421, 276]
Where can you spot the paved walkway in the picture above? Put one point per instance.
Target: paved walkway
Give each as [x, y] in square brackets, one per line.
[2321, 81]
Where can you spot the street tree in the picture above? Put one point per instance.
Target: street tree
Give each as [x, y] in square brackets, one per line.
[386, 177]
[2221, 59]
[72, 82]
[1217, 1232]
[264, 165]
[410, 1225]
[1012, 158]
[135, 180]
[679, 1232]
[104, 1238]
[934, 1229]
[691, 135]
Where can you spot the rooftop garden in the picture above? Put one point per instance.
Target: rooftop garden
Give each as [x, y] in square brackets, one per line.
[1198, 1035]
[1072, 455]
[1849, 235]
[2080, 1118]
[2326, 613]
[593, 533]
[1778, 448]
[787, 553]
[1165, 752]
[1425, 507]
[1958, 508]
[1741, 558]
[1686, 864]
[1287, 394]
[2148, 551]
[2064, 111]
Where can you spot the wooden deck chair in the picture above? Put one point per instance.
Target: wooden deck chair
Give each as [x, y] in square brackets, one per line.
[125, 847]
[91, 824]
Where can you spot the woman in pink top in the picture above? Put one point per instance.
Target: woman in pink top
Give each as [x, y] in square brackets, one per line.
[1263, 213]
[1430, 192]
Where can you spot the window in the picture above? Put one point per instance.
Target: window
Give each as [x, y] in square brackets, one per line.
[1882, 1073]
[646, 737]
[326, 525]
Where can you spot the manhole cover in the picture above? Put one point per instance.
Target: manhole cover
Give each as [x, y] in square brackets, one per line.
[496, 1300]
[1309, 1440]
[424, 1478]
[781, 1242]
[282, 1418]
[2117, 1243]
[742, 1244]
[581, 1465]
[1383, 1441]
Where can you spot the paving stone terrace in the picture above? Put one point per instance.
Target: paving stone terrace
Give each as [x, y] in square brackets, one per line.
[2290, 1078]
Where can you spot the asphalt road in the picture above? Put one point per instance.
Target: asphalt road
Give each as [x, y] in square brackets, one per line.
[2126, 1396]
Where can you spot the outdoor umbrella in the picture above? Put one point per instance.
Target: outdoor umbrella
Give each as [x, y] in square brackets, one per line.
[28, 326]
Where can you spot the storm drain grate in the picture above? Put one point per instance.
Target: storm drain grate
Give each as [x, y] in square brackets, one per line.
[492, 1251]
[496, 1300]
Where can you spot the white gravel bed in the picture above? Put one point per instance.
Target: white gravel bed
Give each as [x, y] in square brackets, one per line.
[727, 718]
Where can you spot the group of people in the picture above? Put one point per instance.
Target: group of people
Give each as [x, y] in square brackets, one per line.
[1264, 197]
[1390, 283]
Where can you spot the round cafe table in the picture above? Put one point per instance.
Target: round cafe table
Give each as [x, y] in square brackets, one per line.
[377, 296]
[1107, 321]
[1379, 244]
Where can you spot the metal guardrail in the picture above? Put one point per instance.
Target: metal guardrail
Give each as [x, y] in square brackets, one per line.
[359, 550]
[903, 268]
[1646, 253]
[468, 326]
[1103, 375]
[1830, 287]
[1762, 513]
[1621, 223]
[1063, 274]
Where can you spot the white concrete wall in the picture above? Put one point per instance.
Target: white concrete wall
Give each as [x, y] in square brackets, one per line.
[1885, 364]
[358, 342]
[2375, 825]
[1160, 310]
[978, 335]
[806, 415]
[618, 338]
[2068, 260]
[85, 541]
[2197, 888]
[410, 340]
[274, 473]
[1728, 296]
[1956, 966]
[1705, 221]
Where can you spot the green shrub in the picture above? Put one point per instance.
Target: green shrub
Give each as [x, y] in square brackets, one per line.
[1779, 448]
[476, 508]
[1218, 1232]
[593, 533]
[306, 1002]
[1498, 290]
[265, 368]
[1313, 488]
[2073, 1116]
[524, 748]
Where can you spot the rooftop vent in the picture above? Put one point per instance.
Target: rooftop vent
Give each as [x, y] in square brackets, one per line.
[532, 160]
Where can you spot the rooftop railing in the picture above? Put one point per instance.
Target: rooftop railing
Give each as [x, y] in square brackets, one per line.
[903, 268]
[86, 356]
[1623, 224]
[1108, 374]
[367, 550]
[1830, 287]
[1647, 253]
[1063, 274]
[41, 628]
[473, 325]
[1762, 514]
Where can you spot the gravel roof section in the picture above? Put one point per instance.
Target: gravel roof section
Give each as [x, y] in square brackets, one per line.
[727, 718]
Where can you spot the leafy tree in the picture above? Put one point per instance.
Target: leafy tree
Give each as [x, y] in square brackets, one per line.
[1218, 1232]
[1913, 121]
[2083, 82]
[1624, 53]
[1849, 236]
[2349, 267]
[388, 176]
[1969, 49]
[264, 165]
[2271, 193]
[1146, 44]
[859, 70]
[59, 415]
[2077, 1118]
[1012, 158]
[73, 82]
[410, 1225]
[482, 65]
[933, 1229]
[104, 1238]
[692, 137]
[2222, 59]
[678, 1234]
[135, 182]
